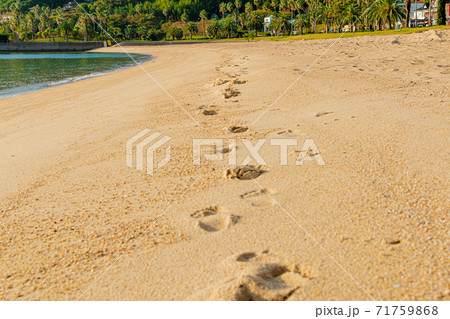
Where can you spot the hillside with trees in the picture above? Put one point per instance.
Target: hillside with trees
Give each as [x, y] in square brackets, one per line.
[101, 20]
[26, 4]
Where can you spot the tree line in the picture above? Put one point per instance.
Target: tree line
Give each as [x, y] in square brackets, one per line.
[159, 19]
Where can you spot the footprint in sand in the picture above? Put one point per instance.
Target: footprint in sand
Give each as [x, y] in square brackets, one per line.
[260, 277]
[219, 82]
[232, 80]
[211, 210]
[230, 92]
[245, 172]
[258, 197]
[319, 114]
[284, 132]
[212, 219]
[237, 81]
[209, 112]
[223, 149]
[238, 129]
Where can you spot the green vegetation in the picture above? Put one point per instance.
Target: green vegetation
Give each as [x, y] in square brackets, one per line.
[156, 20]
[6, 4]
[319, 36]
[441, 12]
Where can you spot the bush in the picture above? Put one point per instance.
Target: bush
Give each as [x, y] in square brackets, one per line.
[26, 35]
[175, 33]
[242, 34]
[265, 34]
[178, 33]
[250, 35]
[155, 35]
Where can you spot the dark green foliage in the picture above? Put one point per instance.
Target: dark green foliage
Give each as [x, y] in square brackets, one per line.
[441, 12]
[26, 4]
[155, 35]
[120, 20]
[178, 33]
[3, 38]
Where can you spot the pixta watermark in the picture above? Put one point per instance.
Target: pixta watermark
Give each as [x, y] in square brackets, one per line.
[140, 150]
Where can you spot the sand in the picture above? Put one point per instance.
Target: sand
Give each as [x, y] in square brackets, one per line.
[77, 223]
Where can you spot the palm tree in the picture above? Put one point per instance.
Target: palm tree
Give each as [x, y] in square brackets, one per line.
[248, 10]
[256, 22]
[408, 12]
[42, 22]
[242, 19]
[229, 26]
[387, 11]
[337, 14]
[265, 7]
[184, 18]
[314, 12]
[59, 16]
[326, 16]
[213, 29]
[140, 31]
[60, 19]
[352, 15]
[102, 18]
[45, 34]
[191, 27]
[230, 6]
[166, 13]
[203, 18]
[15, 23]
[298, 5]
[222, 8]
[274, 4]
[275, 25]
[284, 22]
[302, 22]
[82, 23]
[37, 11]
[291, 5]
[238, 4]
[30, 19]
[129, 31]
[66, 27]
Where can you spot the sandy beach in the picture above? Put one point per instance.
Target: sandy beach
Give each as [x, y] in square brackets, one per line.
[78, 224]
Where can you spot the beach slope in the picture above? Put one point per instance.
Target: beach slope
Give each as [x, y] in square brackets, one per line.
[77, 223]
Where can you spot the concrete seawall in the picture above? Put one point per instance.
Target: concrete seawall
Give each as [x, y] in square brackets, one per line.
[49, 46]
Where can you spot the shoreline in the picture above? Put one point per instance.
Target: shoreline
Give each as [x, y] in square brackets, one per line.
[376, 107]
[46, 85]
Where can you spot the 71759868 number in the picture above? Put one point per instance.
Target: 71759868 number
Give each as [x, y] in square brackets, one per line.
[407, 310]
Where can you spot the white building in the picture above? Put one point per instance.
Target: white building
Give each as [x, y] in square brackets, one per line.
[267, 22]
[417, 13]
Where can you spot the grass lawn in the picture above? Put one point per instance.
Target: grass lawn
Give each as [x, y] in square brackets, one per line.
[319, 36]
